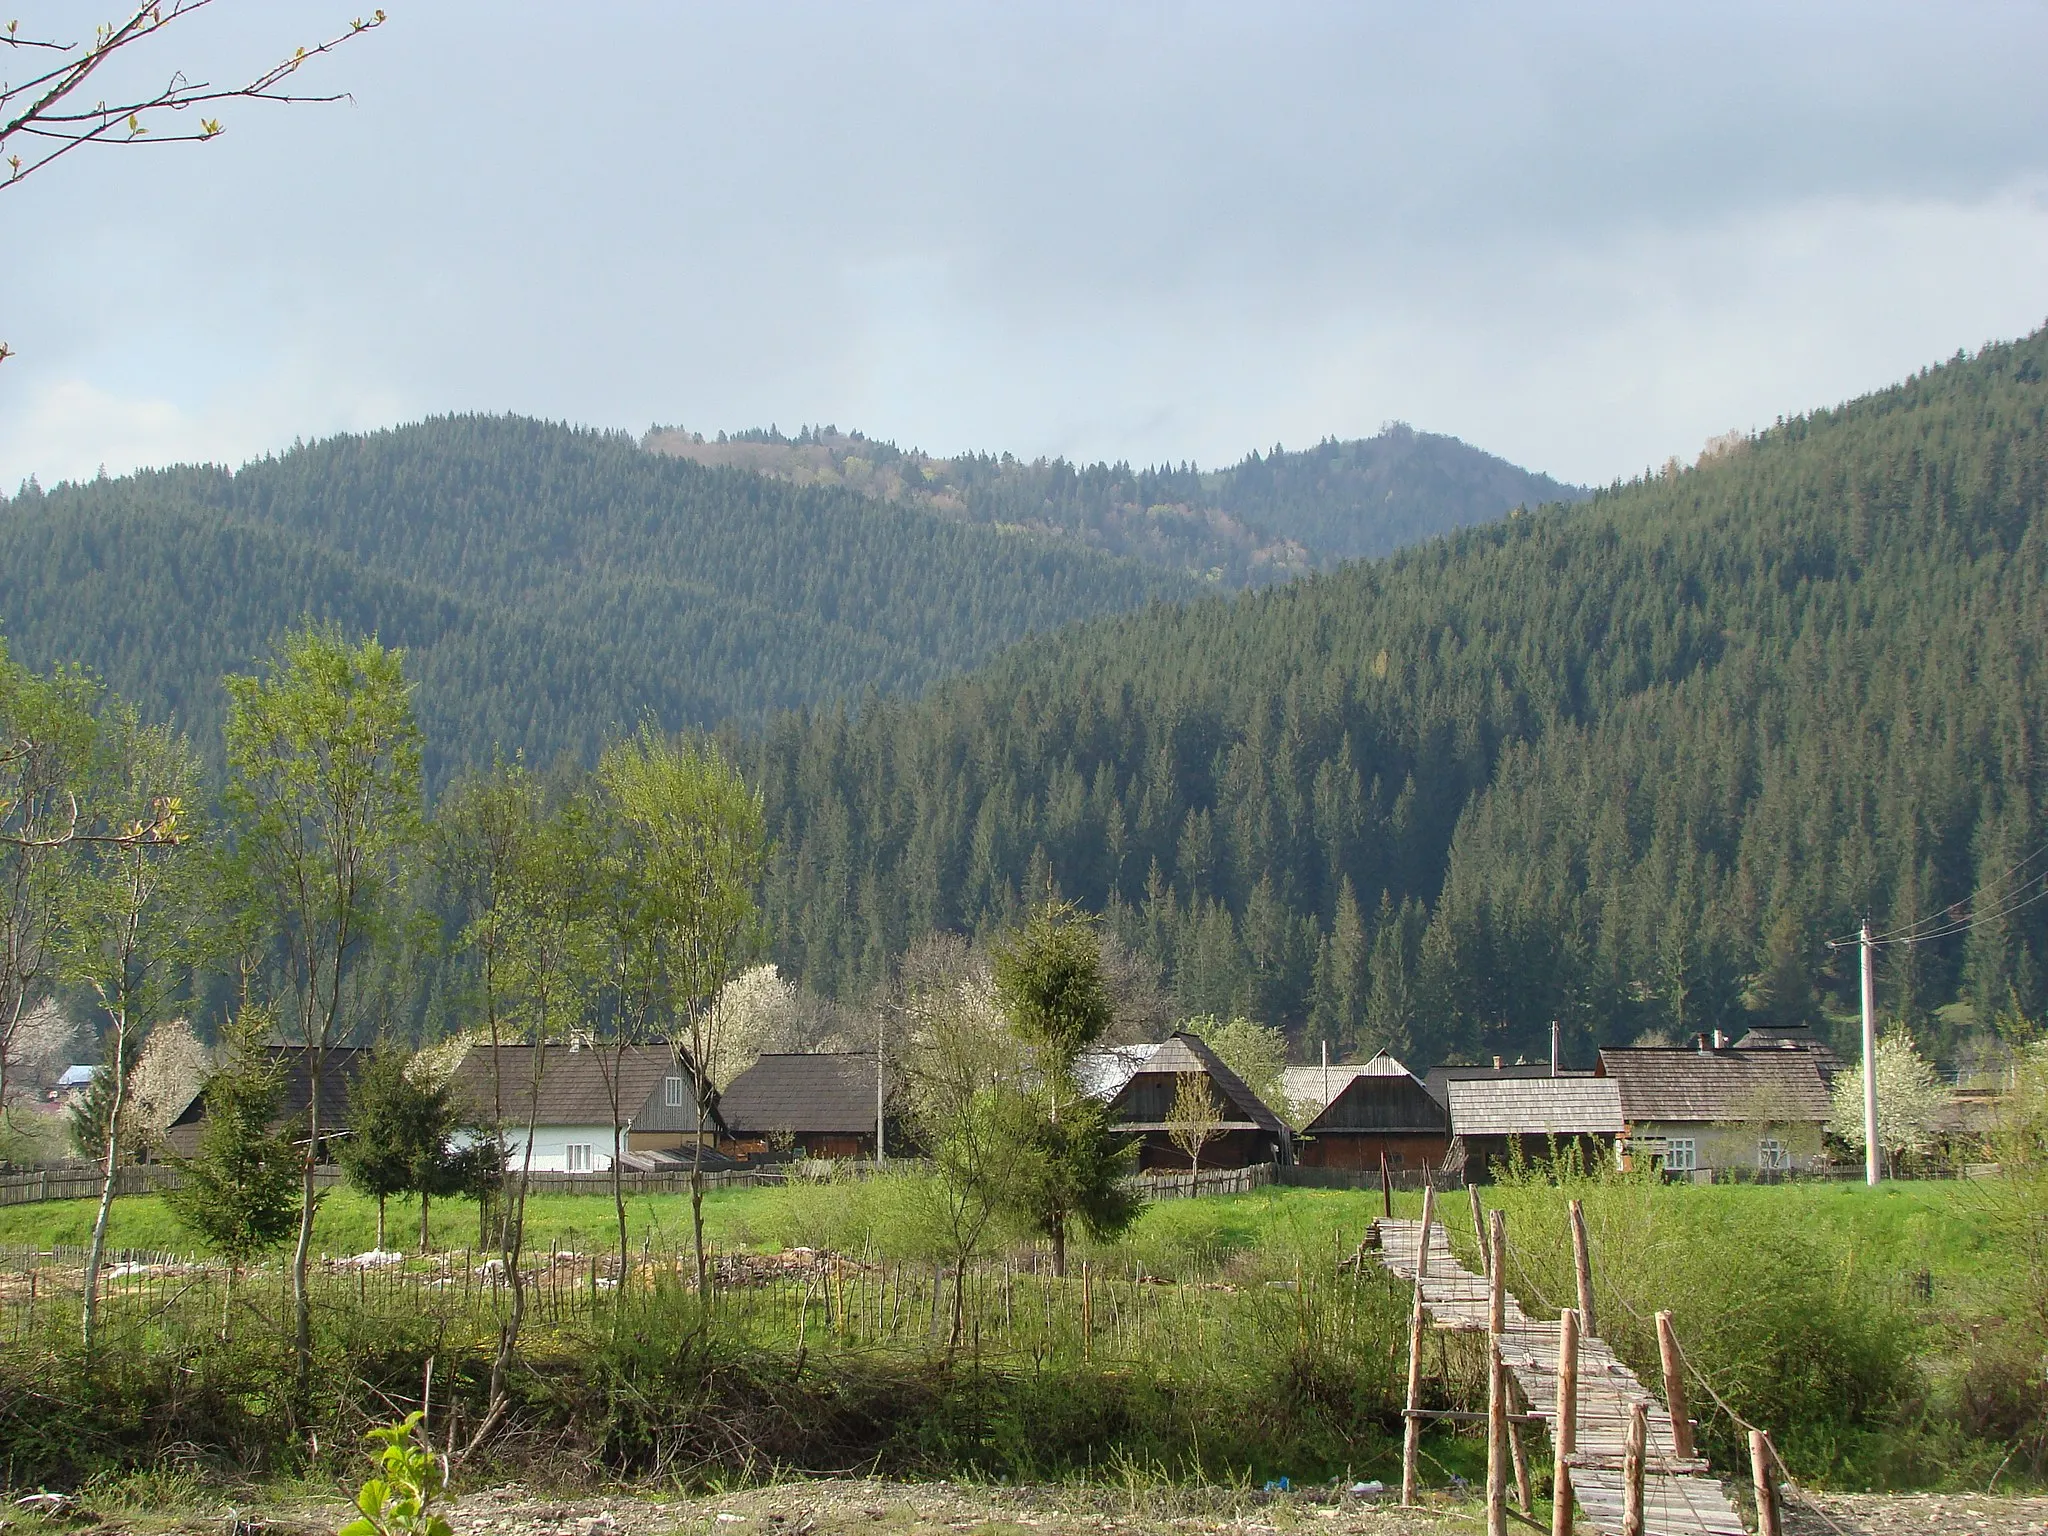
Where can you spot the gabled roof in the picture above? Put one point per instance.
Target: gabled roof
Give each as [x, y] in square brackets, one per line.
[803, 1091]
[1183, 1052]
[1318, 1086]
[1440, 1077]
[1720, 1087]
[1383, 1097]
[339, 1067]
[1535, 1106]
[573, 1085]
[76, 1077]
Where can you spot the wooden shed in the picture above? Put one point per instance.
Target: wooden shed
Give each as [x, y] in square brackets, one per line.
[1497, 1119]
[1382, 1111]
[816, 1103]
[1248, 1131]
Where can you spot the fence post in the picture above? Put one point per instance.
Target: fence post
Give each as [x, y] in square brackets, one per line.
[1764, 1478]
[1565, 1426]
[1582, 1263]
[1479, 1231]
[1496, 1379]
[1674, 1388]
[1632, 1470]
[1386, 1188]
[1411, 1427]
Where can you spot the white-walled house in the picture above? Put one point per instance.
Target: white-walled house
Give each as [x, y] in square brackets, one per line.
[572, 1112]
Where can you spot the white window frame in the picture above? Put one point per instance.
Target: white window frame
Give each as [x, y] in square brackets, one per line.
[1681, 1154]
[1773, 1156]
[577, 1158]
[672, 1092]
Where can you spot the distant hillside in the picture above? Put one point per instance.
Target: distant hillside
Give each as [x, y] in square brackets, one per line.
[1624, 764]
[551, 584]
[1266, 519]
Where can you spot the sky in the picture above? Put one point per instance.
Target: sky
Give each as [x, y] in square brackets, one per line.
[1583, 237]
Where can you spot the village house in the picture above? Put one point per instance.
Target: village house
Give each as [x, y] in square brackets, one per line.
[573, 1118]
[339, 1067]
[1497, 1118]
[1246, 1132]
[1698, 1111]
[818, 1104]
[1793, 1037]
[1383, 1111]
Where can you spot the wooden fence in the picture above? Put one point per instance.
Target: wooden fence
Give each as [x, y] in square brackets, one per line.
[1213, 1181]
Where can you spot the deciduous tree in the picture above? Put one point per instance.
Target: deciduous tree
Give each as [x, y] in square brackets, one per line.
[323, 797]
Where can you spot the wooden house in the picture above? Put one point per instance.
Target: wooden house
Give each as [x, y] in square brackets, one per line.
[340, 1065]
[1697, 1110]
[1246, 1131]
[1382, 1111]
[576, 1125]
[811, 1103]
[1794, 1037]
[1495, 1119]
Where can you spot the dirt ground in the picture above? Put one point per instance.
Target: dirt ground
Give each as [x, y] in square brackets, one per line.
[873, 1508]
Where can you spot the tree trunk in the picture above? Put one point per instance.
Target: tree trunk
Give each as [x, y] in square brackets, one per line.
[426, 1237]
[302, 1252]
[89, 1322]
[1059, 1245]
[380, 1222]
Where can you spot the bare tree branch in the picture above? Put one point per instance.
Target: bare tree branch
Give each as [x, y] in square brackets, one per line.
[46, 123]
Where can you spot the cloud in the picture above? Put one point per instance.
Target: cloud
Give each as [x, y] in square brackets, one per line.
[1583, 236]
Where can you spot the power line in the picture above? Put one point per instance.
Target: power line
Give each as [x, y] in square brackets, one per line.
[1946, 924]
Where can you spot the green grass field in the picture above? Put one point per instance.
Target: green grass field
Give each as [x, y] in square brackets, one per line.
[1945, 1227]
[1874, 1331]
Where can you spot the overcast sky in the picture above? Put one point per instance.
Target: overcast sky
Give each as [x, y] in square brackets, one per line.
[1582, 237]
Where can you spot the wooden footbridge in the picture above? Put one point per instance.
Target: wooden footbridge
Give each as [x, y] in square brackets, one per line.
[1619, 1454]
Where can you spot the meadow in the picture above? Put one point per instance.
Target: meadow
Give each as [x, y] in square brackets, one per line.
[1220, 1339]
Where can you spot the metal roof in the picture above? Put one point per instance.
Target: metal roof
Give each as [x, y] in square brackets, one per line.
[1718, 1087]
[1535, 1106]
[1101, 1073]
[1317, 1086]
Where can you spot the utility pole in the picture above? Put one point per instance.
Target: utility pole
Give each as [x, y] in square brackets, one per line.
[1872, 1156]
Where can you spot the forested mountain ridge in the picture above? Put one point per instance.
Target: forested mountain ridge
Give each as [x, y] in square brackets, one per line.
[1268, 518]
[551, 584]
[1622, 764]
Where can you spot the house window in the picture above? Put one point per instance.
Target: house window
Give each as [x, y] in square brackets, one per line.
[672, 1088]
[1681, 1154]
[1773, 1156]
[578, 1156]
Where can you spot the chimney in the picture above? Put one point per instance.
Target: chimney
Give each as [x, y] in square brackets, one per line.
[1699, 1043]
[1496, 1063]
[1555, 1047]
[1720, 1041]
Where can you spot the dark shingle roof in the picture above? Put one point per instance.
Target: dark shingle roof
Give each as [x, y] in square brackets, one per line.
[573, 1087]
[339, 1067]
[1382, 1097]
[1183, 1052]
[1534, 1106]
[1674, 1083]
[800, 1092]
